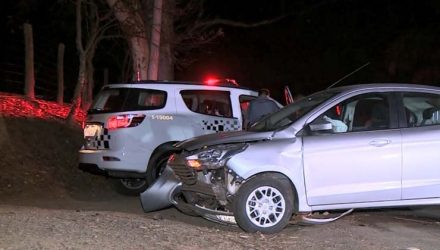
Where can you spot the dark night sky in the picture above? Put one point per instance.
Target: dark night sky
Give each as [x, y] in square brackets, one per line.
[329, 39]
[315, 45]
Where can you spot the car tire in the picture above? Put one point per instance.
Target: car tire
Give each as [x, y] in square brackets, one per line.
[131, 186]
[157, 164]
[264, 203]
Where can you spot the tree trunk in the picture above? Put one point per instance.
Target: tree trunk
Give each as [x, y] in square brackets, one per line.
[29, 88]
[77, 96]
[60, 73]
[133, 26]
[81, 82]
[166, 62]
[90, 72]
[153, 65]
[166, 57]
[139, 52]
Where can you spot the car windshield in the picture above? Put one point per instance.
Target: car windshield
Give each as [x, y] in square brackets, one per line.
[291, 113]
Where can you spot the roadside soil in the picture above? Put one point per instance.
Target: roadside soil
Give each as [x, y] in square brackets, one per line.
[47, 203]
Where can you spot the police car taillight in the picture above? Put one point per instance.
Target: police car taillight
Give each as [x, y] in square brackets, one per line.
[124, 121]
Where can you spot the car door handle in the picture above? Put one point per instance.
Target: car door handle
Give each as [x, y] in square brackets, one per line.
[379, 142]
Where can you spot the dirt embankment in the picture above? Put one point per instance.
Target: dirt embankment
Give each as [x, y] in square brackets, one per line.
[39, 158]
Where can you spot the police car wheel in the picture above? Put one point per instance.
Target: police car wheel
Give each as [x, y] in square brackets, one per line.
[157, 166]
[131, 186]
[264, 203]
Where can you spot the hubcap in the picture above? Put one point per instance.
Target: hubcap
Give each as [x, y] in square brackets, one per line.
[265, 206]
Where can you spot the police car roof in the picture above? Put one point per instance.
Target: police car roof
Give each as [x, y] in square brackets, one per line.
[219, 84]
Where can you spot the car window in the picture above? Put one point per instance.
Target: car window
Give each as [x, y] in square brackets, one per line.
[360, 113]
[145, 99]
[208, 102]
[128, 99]
[421, 109]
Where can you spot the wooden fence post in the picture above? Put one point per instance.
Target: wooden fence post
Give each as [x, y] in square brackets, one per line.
[29, 85]
[60, 73]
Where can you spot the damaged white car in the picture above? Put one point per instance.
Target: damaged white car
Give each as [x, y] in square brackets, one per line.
[362, 146]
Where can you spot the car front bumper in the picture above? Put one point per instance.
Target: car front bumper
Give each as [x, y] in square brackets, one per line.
[162, 192]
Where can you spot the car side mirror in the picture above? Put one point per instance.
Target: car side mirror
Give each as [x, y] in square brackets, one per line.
[320, 127]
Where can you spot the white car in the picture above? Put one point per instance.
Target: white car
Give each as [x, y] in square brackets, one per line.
[130, 128]
[362, 146]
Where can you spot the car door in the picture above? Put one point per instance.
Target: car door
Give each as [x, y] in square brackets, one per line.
[360, 159]
[421, 146]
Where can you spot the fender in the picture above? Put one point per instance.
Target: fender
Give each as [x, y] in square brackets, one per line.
[297, 181]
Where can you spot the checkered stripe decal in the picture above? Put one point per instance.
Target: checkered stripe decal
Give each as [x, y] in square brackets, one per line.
[219, 125]
[101, 141]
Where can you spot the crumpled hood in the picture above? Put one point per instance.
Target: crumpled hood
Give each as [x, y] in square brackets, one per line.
[223, 138]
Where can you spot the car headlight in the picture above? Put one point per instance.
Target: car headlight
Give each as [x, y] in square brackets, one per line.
[214, 157]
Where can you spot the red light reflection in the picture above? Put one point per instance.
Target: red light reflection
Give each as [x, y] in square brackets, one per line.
[19, 106]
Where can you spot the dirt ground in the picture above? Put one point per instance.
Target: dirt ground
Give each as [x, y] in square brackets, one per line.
[47, 203]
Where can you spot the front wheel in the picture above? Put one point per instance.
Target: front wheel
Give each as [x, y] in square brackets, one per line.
[132, 186]
[264, 203]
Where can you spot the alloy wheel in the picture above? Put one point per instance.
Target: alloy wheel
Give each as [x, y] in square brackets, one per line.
[265, 206]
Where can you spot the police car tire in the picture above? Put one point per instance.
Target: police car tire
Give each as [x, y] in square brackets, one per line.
[157, 163]
[122, 188]
[283, 187]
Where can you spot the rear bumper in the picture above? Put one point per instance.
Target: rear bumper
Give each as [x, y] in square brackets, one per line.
[94, 169]
[113, 163]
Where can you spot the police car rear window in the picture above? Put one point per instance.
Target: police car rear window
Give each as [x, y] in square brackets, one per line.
[128, 99]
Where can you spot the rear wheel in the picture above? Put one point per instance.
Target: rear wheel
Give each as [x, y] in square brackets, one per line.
[131, 186]
[264, 203]
[135, 186]
[156, 166]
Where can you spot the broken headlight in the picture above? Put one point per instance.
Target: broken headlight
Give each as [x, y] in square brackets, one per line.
[214, 157]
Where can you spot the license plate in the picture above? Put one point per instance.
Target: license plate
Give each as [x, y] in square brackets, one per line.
[92, 130]
[227, 219]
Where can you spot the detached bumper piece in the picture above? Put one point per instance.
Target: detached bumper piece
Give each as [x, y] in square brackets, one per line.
[161, 193]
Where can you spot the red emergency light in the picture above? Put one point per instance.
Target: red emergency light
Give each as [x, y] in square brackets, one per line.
[212, 81]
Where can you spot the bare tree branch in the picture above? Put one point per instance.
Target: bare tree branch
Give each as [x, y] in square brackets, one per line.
[218, 21]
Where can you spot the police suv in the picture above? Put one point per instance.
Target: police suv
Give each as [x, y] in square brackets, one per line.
[131, 127]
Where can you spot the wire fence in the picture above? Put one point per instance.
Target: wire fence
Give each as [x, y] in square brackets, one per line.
[12, 67]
